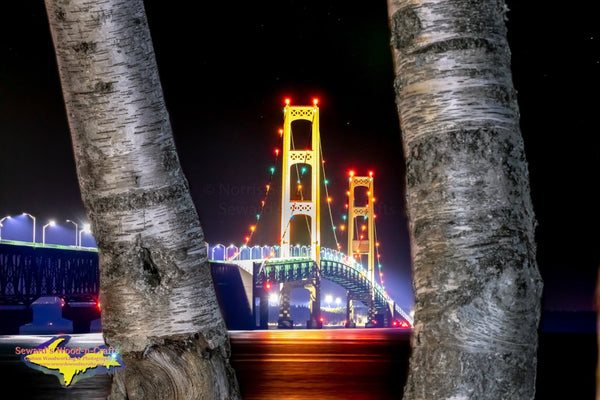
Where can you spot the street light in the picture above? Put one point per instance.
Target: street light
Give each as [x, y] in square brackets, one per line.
[76, 226]
[7, 217]
[33, 218]
[51, 223]
[86, 229]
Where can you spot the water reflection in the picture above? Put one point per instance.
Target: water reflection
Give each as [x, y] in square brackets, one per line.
[328, 364]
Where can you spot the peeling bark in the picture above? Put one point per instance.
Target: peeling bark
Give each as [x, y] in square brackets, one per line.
[158, 301]
[476, 282]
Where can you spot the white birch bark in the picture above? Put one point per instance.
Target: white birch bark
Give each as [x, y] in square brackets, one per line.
[476, 282]
[157, 296]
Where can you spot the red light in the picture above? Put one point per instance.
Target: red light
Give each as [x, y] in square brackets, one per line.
[395, 323]
[287, 102]
[351, 173]
[315, 101]
[98, 305]
[62, 302]
[404, 324]
[321, 319]
[276, 152]
[371, 174]
[268, 285]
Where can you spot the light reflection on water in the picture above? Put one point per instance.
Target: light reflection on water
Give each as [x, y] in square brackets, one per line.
[327, 364]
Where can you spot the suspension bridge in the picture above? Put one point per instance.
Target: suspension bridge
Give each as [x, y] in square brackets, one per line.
[303, 266]
[30, 271]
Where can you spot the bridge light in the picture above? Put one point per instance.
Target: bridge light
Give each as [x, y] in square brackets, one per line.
[287, 101]
[315, 102]
[371, 174]
[351, 173]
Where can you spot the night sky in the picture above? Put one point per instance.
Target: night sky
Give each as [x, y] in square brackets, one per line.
[225, 70]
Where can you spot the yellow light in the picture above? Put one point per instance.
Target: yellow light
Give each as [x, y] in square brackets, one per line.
[364, 227]
[377, 244]
[329, 199]
[342, 227]
[252, 228]
[280, 132]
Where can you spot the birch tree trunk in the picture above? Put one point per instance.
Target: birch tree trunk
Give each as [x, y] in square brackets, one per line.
[476, 282]
[157, 296]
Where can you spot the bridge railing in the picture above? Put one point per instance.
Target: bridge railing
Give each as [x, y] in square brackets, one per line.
[233, 253]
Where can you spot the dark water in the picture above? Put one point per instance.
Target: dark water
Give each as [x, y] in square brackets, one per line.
[328, 364]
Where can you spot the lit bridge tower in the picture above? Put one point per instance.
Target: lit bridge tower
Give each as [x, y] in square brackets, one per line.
[360, 245]
[308, 207]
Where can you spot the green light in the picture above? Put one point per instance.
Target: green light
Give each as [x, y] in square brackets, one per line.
[303, 169]
[326, 181]
[272, 170]
[344, 217]
[257, 216]
[334, 227]
[365, 217]
[298, 182]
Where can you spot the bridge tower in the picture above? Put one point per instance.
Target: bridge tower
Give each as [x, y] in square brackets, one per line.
[309, 207]
[360, 245]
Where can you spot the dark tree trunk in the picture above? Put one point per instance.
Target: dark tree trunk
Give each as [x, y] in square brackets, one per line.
[476, 282]
[157, 296]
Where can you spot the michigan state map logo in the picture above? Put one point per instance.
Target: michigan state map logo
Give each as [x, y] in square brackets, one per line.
[70, 365]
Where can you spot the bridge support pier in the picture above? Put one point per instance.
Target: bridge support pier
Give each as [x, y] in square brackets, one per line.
[315, 322]
[350, 317]
[285, 317]
[260, 300]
